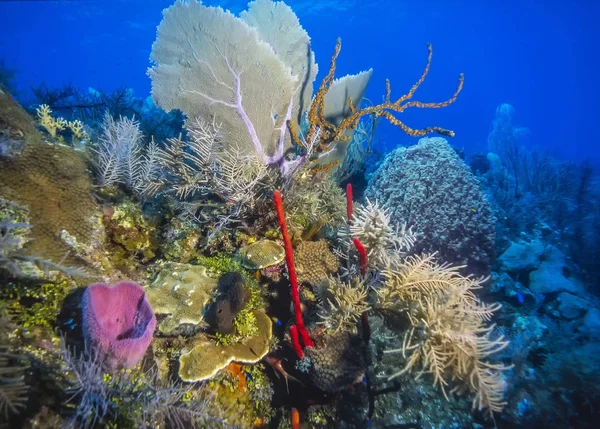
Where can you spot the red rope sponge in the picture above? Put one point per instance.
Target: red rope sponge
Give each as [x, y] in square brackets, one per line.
[296, 341]
[363, 255]
[289, 258]
[349, 201]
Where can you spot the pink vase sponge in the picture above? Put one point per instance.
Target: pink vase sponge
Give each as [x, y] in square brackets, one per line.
[118, 322]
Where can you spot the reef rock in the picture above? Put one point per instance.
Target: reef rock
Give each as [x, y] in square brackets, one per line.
[591, 324]
[571, 306]
[551, 276]
[522, 258]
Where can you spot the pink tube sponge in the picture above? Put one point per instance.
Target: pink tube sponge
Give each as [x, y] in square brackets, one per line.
[119, 322]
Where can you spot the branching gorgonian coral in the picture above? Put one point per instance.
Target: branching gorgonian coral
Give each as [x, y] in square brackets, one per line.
[315, 201]
[119, 154]
[450, 337]
[203, 165]
[13, 390]
[371, 225]
[140, 398]
[343, 304]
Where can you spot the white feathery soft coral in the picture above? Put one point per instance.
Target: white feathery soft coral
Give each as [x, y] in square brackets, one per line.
[371, 225]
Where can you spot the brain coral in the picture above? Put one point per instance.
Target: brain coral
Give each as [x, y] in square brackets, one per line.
[431, 189]
[315, 262]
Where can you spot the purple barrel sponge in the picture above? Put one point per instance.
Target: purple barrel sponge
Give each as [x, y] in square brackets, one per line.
[118, 322]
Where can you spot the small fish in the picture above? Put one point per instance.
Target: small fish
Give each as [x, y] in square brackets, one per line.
[520, 297]
[295, 418]
[474, 210]
[248, 375]
[276, 365]
[276, 321]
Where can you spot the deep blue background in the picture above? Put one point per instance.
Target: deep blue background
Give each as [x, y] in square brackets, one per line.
[540, 56]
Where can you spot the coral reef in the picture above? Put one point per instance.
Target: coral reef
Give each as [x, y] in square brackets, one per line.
[368, 325]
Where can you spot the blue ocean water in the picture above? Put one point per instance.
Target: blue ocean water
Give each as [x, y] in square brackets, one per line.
[513, 197]
[536, 56]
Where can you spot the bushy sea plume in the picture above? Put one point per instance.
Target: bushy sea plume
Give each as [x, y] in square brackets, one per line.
[315, 202]
[450, 336]
[203, 165]
[142, 398]
[446, 329]
[371, 224]
[343, 304]
[14, 393]
[119, 154]
[13, 390]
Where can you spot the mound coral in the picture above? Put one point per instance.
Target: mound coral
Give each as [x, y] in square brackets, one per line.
[430, 188]
[118, 322]
[52, 183]
[338, 364]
